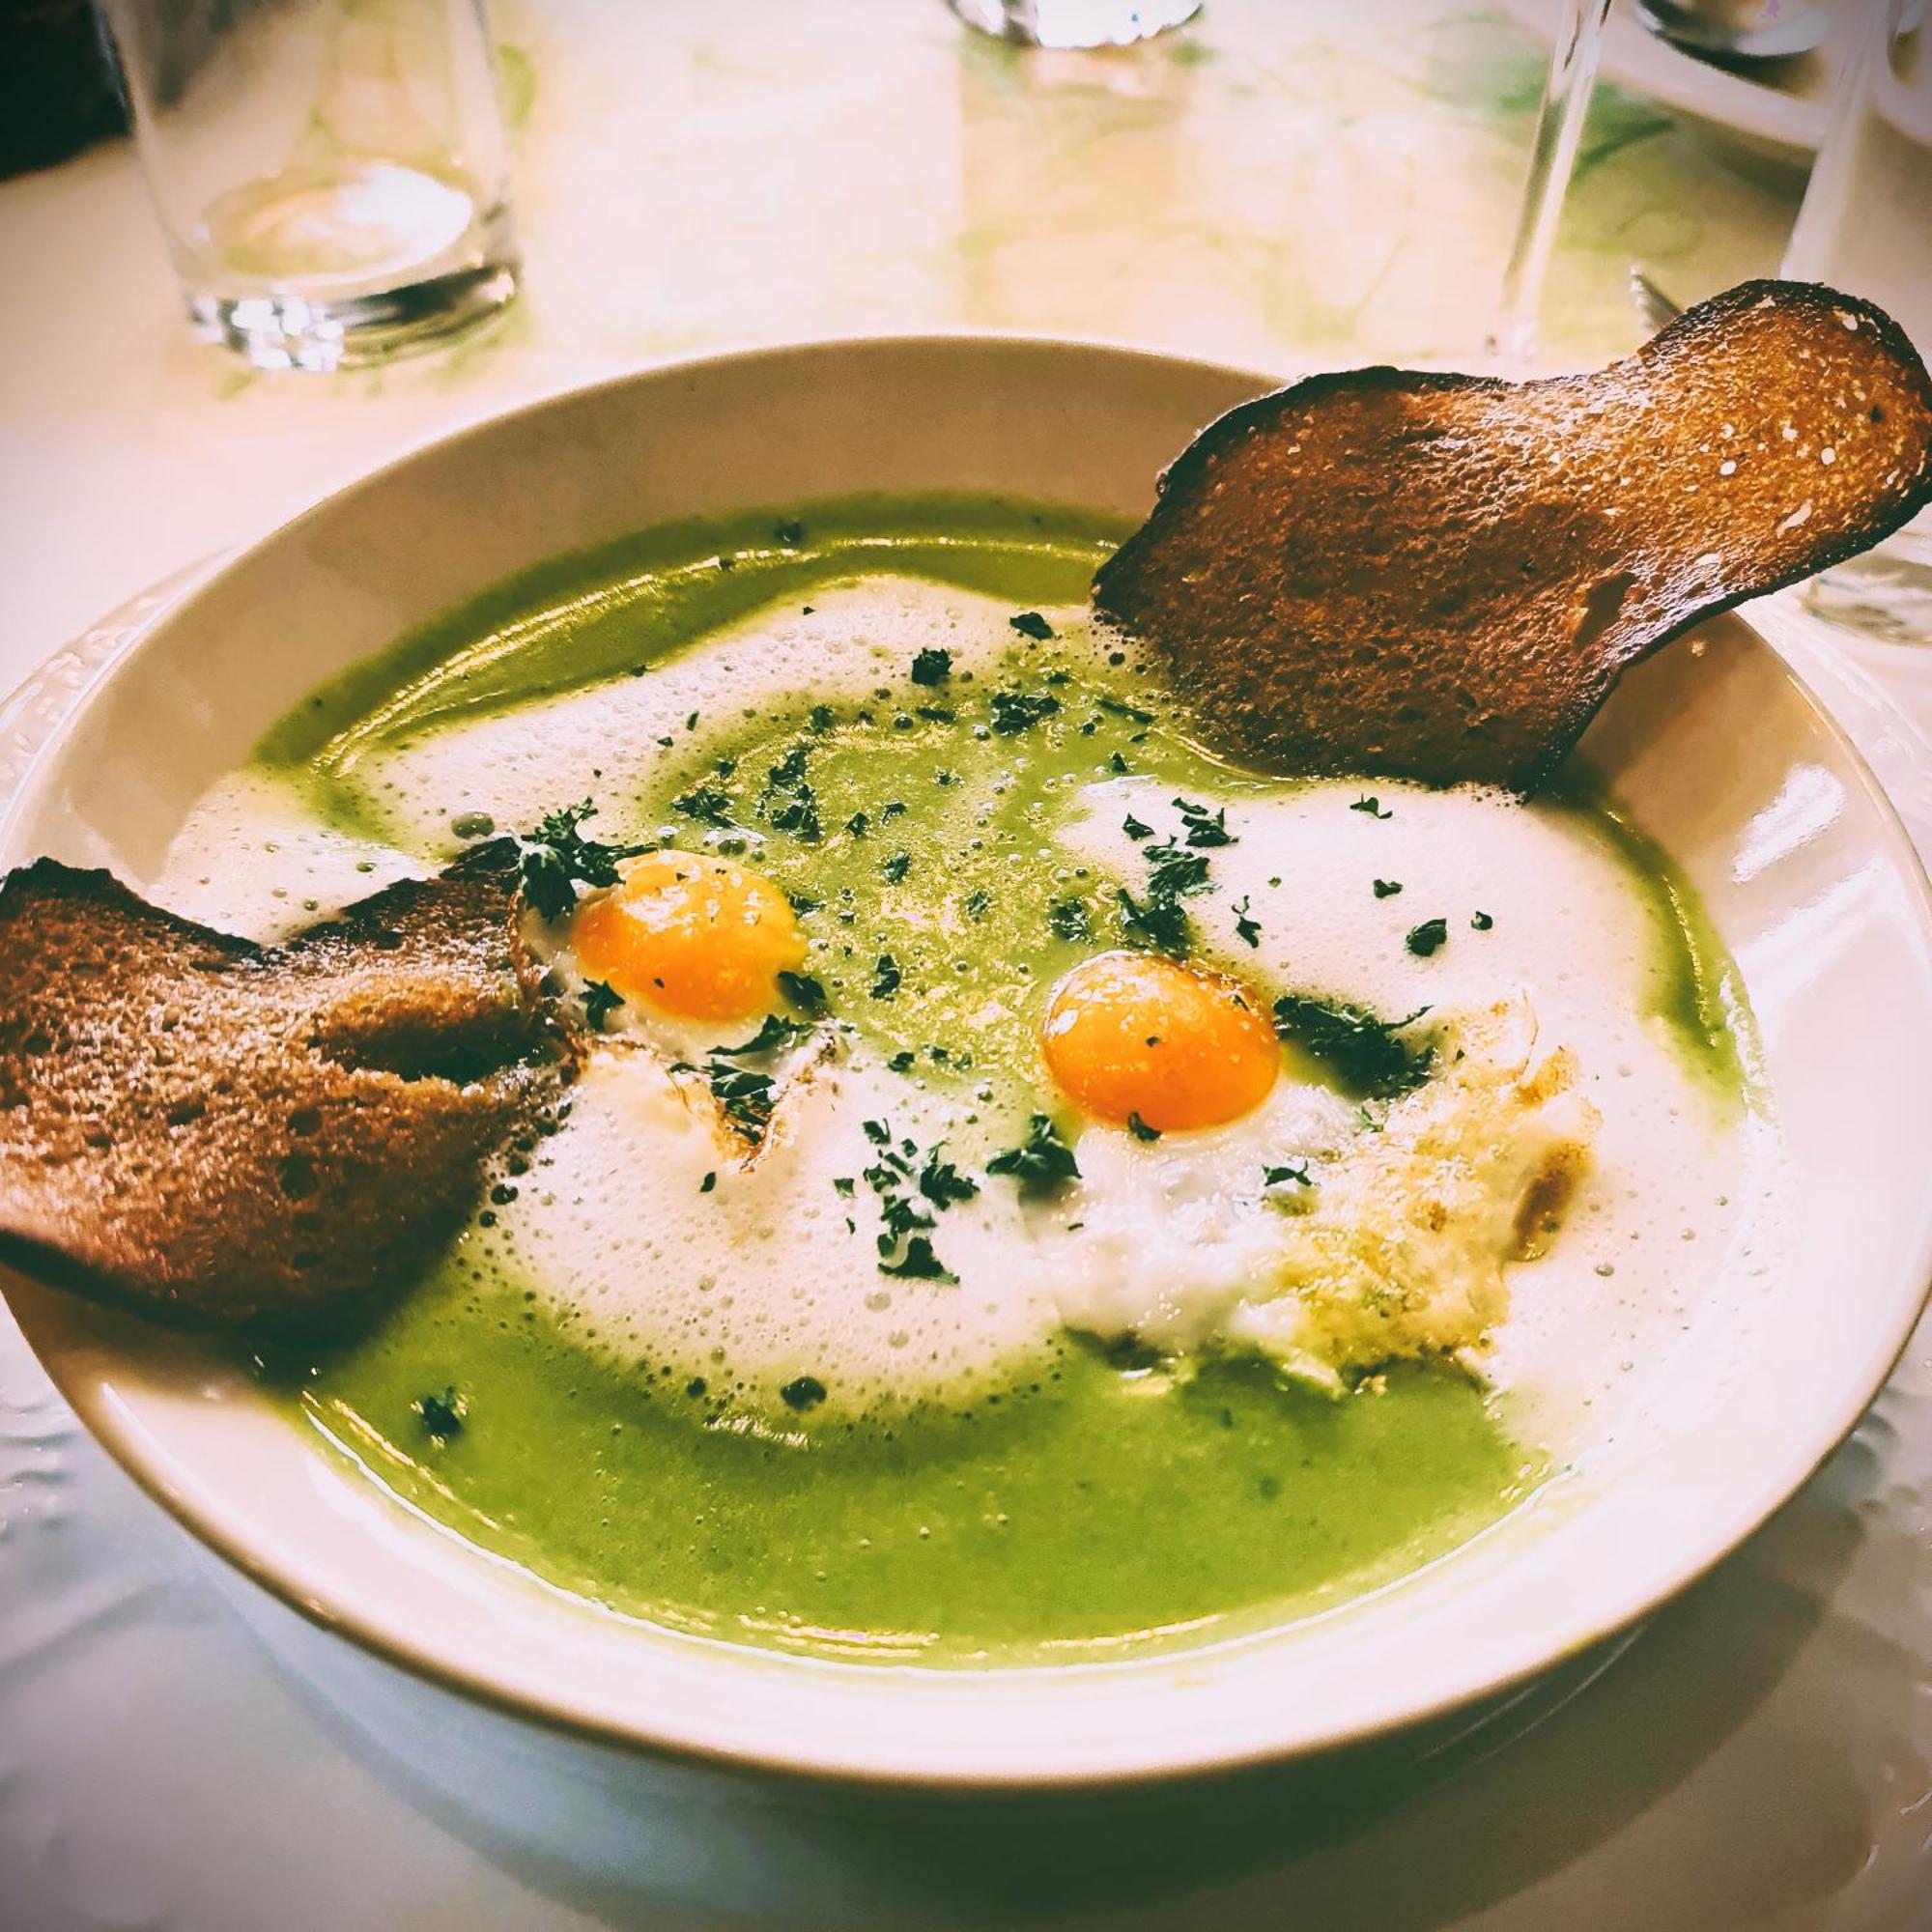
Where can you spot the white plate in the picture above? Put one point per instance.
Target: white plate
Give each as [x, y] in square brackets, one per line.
[1715, 747]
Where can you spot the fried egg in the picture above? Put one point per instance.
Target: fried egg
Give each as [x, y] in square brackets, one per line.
[793, 1211]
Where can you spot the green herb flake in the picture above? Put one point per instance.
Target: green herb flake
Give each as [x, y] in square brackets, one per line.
[1018, 711]
[1481, 921]
[1246, 929]
[895, 868]
[919, 1262]
[1071, 919]
[1386, 888]
[886, 977]
[1424, 939]
[931, 667]
[1140, 1129]
[1041, 1162]
[442, 1416]
[709, 1182]
[803, 1392]
[556, 859]
[1367, 1052]
[805, 992]
[1204, 828]
[1031, 624]
[600, 1002]
[1371, 805]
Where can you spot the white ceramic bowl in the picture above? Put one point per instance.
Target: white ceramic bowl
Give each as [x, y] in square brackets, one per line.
[1714, 747]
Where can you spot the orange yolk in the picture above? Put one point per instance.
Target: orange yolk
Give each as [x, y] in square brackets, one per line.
[1132, 1033]
[692, 935]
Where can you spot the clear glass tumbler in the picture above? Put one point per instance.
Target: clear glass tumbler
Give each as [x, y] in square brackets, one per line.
[331, 174]
[1867, 227]
[1075, 23]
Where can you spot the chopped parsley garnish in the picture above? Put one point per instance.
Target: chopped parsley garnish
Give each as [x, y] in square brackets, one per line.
[919, 1262]
[1371, 805]
[1246, 929]
[895, 867]
[1157, 923]
[600, 1002]
[556, 859]
[1041, 1162]
[773, 1033]
[1481, 921]
[744, 1098]
[805, 992]
[709, 1182]
[1016, 711]
[903, 1061]
[1031, 624]
[1117, 762]
[1386, 888]
[803, 1392]
[708, 804]
[976, 904]
[789, 804]
[1203, 827]
[1295, 1171]
[931, 667]
[909, 1197]
[845, 1184]
[1424, 939]
[1134, 828]
[1175, 873]
[1140, 1129]
[441, 1415]
[1367, 1052]
[942, 1183]
[1070, 919]
[859, 824]
[886, 977]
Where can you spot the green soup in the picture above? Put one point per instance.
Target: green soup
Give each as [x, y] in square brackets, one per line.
[1092, 1503]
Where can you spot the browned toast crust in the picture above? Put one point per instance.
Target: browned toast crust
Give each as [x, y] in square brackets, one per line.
[1441, 577]
[226, 1133]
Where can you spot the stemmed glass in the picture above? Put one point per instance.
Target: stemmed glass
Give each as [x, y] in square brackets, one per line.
[1552, 161]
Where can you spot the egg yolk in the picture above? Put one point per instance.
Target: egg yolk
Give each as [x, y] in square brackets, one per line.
[690, 934]
[1133, 1033]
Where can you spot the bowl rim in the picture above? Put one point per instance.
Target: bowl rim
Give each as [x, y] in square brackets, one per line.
[387, 1636]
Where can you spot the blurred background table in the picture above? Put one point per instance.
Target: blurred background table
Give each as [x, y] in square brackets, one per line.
[1289, 185]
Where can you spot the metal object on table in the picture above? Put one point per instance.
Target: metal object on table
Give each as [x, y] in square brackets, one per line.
[1745, 30]
[1075, 23]
[331, 178]
[1654, 308]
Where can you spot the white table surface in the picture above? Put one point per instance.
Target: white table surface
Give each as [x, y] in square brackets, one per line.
[1295, 185]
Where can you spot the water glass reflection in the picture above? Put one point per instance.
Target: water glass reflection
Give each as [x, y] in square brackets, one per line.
[331, 174]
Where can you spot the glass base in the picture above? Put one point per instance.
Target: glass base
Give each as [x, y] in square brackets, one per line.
[351, 331]
[1075, 23]
[1885, 594]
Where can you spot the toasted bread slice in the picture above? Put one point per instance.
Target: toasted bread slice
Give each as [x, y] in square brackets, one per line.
[1441, 577]
[226, 1133]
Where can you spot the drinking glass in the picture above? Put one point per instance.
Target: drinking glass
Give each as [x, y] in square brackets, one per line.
[1565, 106]
[1075, 23]
[331, 174]
[1865, 226]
